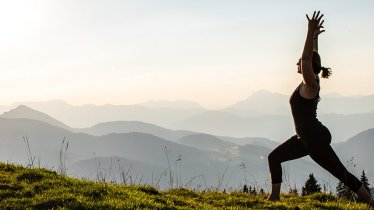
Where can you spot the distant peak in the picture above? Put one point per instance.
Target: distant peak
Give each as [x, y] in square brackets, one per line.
[22, 107]
[265, 93]
[260, 101]
[179, 104]
[31, 103]
[21, 110]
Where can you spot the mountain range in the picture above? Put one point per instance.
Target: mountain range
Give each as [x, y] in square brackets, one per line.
[151, 153]
[264, 114]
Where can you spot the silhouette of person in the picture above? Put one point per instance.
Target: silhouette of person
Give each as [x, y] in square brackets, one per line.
[312, 137]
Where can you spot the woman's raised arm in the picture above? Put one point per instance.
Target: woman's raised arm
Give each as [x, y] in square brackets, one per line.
[311, 87]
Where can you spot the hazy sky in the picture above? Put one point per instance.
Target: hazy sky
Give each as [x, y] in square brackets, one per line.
[213, 52]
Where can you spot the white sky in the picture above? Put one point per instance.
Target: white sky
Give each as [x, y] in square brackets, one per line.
[213, 52]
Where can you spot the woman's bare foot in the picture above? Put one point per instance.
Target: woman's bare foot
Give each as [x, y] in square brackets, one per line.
[275, 192]
[365, 196]
[273, 198]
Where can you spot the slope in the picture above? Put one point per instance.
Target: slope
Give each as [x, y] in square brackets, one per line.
[23, 188]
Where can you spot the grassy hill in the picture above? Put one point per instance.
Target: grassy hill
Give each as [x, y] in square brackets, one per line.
[22, 188]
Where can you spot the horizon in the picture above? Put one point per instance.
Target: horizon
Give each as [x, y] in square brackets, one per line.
[19, 103]
[210, 52]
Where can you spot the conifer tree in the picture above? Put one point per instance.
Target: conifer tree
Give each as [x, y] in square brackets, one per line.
[245, 189]
[311, 186]
[364, 180]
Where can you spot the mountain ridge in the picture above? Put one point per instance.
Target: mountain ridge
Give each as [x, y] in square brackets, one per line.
[22, 111]
[46, 139]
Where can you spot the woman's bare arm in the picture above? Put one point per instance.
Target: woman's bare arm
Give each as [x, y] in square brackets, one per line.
[315, 43]
[310, 87]
[315, 39]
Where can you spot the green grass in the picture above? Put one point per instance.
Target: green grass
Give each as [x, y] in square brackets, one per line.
[24, 188]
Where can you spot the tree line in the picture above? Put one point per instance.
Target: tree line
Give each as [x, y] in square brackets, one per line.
[311, 186]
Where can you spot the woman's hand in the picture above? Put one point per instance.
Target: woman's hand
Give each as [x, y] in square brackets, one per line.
[315, 24]
[317, 33]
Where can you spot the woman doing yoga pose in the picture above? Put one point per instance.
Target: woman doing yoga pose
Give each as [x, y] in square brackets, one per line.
[312, 137]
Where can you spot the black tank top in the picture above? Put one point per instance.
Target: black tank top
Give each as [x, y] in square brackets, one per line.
[304, 112]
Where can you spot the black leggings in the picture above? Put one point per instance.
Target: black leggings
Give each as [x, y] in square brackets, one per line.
[319, 149]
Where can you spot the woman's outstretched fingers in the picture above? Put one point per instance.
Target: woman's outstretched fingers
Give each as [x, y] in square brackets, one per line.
[316, 22]
[320, 25]
[317, 15]
[314, 13]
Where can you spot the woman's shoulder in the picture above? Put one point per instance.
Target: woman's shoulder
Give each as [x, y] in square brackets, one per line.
[309, 93]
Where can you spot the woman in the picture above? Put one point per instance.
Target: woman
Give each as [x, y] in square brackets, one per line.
[312, 138]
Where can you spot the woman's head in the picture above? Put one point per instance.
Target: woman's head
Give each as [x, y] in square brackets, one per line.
[317, 68]
[316, 65]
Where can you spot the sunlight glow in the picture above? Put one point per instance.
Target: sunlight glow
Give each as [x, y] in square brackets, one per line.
[128, 52]
[17, 19]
